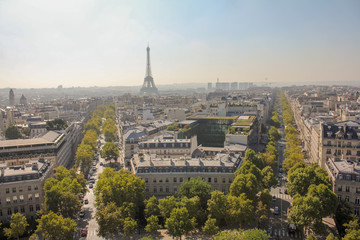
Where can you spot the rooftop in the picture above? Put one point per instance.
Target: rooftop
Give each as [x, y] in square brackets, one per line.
[49, 138]
[244, 120]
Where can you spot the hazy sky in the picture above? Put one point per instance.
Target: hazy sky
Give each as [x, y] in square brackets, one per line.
[86, 42]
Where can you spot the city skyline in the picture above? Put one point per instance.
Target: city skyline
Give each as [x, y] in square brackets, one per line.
[93, 43]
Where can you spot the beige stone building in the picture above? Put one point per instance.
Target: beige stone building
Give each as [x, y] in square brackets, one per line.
[21, 187]
[345, 176]
[163, 176]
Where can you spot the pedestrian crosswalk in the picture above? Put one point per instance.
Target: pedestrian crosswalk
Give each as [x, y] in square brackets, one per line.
[283, 196]
[284, 233]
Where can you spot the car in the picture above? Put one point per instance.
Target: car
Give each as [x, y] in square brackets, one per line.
[269, 231]
[92, 180]
[286, 191]
[83, 232]
[279, 175]
[279, 183]
[81, 200]
[94, 169]
[94, 163]
[91, 185]
[86, 201]
[82, 213]
[280, 170]
[276, 210]
[101, 163]
[81, 195]
[291, 228]
[273, 198]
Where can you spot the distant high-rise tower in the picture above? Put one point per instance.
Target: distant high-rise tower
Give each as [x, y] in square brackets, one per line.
[11, 98]
[23, 100]
[148, 87]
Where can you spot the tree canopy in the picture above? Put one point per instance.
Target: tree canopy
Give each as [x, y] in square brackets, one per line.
[12, 132]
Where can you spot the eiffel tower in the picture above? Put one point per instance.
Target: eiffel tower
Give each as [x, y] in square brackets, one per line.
[148, 87]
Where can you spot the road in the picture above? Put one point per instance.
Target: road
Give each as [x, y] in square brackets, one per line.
[282, 200]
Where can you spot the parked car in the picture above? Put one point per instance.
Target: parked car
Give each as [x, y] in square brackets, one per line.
[101, 163]
[279, 183]
[269, 231]
[276, 210]
[86, 201]
[92, 180]
[273, 198]
[91, 185]
[279, 175]
[280, 170]
[83, 232]
[81, 195]
[82, 213]
[291, 228]
[81, 200]
[94, 169]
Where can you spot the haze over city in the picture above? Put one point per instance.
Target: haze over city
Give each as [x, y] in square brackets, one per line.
[102, 43]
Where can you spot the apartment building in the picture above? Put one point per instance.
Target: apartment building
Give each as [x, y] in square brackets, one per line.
[21, 187]
[345, 176]
[163, 176]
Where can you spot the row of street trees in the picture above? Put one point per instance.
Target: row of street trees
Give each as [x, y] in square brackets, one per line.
[292, 153]
[109, 150]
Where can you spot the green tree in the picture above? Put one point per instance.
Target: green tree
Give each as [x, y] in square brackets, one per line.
[196, 187]
[249, 167]
[152, 224]
[268, 179]
[328, 198]
[84, 155]
[17, 228]
[331, 237]
[167, 205]
[56, 124]
[120, 187]
[274, 134]
[109, 220]
[210, 228]
[152, 207]
[216, 206]
[265, 197]
[261, 213]
[306, 211]
[352, 230]
[179, 223]
[240, 234]
[129, 226]
[239, 210]
[250, 155]
[53, 226]
[12, 132]
[193, 206]
[110, 151]
[245, 183]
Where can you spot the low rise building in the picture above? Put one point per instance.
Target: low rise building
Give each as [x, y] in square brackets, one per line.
[163, 176]
[21, 187]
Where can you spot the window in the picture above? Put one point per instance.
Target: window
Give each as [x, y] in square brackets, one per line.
[155, 190]
[30, 197]
[328, 151]
[175, 189]
[347, 199]
[31, 208]
[356, 212]
[9, 211]
[209, 179]
[357, 201]
[223, 180]
[14, 189]
[36, 187]
[166, 180]
[37, 196]
[0, 213]
[161, 189]
[154, 180]
[22, 209]
[8, 200]
[348, 152]
[340, 188]
[29, 188]
[181, 179]
[357, 190]
[14, 199]
[230, 180]
[20, 189]
[167, 189]
[37, 207]
[15, 210]
[21, 198]
[146, 180]
[175, 179]
[347, 189]
[7, 190]
[215, 180]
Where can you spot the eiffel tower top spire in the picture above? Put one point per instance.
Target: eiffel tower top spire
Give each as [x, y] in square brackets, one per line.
[148, 68]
